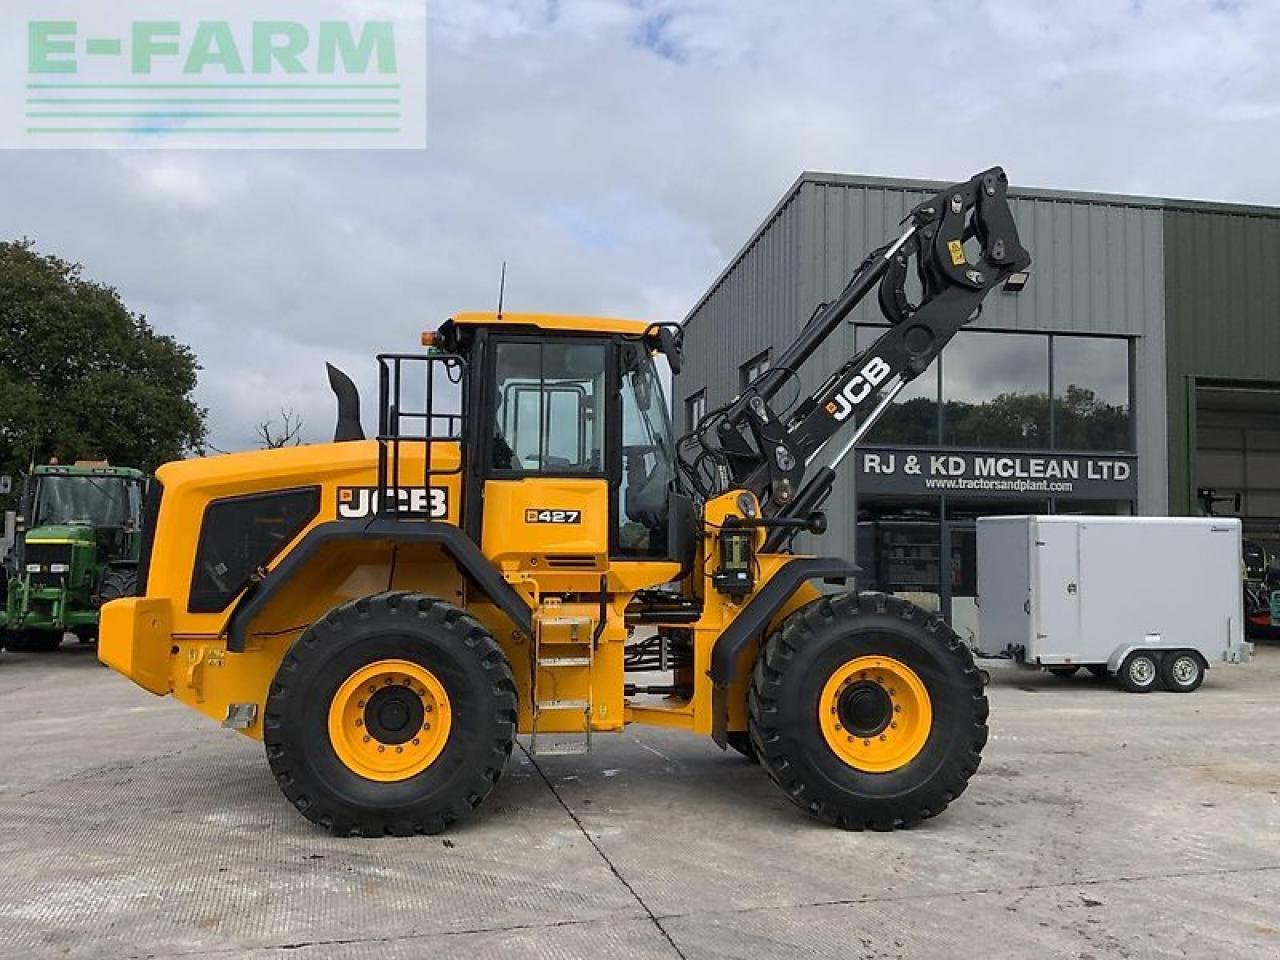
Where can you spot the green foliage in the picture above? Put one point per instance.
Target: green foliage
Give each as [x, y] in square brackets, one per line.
[1015, 420]
[82, 377]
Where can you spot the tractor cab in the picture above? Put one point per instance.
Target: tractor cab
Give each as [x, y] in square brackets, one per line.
[570, 464]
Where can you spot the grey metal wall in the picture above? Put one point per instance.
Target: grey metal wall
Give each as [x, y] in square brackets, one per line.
[1098, 269]
[757, 296]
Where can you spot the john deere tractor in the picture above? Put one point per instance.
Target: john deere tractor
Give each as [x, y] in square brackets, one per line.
[524, 541]
[77, 549]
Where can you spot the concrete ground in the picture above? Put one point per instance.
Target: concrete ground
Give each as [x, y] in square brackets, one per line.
[1101, 825]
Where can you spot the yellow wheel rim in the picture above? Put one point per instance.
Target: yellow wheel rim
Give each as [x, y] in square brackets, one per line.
[875, 714]
[389, 720]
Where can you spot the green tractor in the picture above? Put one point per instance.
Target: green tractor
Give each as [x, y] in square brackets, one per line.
[77, 547]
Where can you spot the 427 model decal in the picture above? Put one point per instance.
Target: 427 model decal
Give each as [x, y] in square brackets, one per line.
[534, 515]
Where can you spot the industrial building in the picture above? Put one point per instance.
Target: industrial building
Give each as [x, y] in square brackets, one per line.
[1138, 368]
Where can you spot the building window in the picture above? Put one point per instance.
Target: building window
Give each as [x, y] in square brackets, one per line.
[995, 391]
[695, 409]
[1091, 409]
[752, 369]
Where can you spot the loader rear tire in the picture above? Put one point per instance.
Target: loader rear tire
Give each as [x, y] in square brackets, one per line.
[740, 741]
[394, 714]
[867, 711]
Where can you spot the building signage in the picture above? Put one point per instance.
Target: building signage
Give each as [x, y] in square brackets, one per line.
[989, 473]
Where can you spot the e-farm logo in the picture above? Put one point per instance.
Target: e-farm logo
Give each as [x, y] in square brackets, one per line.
[215, 73]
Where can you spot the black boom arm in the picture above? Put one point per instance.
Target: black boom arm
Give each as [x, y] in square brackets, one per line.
[745, 445]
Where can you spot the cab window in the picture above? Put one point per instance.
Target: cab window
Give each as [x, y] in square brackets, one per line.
[648, 456]
[549, 412]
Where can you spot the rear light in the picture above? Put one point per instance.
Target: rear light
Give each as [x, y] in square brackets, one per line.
[59, 568]
[34, 568]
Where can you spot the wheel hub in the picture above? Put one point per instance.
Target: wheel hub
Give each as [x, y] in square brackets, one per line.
[1184, 670]
[1142, 670]
[865, 708]
[394, 714]
[875, 714]
[389, 720]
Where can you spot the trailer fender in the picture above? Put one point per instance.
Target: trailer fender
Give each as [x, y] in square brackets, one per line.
[460, 548]
[752, 621]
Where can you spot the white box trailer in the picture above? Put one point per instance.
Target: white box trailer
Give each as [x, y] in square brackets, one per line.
[1153, 600]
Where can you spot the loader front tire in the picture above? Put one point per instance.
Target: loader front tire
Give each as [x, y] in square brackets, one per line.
[867, 711]
[394, 714]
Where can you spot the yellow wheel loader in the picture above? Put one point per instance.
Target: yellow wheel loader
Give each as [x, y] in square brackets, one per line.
[524, 540]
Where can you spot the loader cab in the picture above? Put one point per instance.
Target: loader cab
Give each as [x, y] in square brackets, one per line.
[572, 460]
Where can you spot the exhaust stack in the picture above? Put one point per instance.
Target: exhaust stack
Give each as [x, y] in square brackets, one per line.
[348, 427]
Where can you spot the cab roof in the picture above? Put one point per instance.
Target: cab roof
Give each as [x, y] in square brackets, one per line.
[86, 470]
[553, 321]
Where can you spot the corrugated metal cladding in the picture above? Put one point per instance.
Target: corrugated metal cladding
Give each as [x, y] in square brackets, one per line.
[1098, 269]
[1222, 287]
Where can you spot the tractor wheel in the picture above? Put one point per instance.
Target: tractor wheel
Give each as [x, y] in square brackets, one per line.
[1064, 673]
[1140, 672]
[1182, 672]
[33, 641]
[868, 711]
[394, 714]
[740, 740]
[117, 584]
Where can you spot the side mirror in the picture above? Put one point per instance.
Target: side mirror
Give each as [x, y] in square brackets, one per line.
[668, 339]
[672, 346]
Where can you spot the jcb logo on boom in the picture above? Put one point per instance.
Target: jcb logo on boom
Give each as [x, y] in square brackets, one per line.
[857, 389]
[430, 502]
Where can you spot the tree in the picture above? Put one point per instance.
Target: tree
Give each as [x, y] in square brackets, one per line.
[289, 434]
[83, 377]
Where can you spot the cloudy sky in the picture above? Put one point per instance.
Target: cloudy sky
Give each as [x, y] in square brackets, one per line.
[617, 152]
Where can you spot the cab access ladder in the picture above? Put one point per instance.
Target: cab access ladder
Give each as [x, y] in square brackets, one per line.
[563, 658]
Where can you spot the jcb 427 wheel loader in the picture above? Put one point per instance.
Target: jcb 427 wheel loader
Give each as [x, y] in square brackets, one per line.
[523, 533]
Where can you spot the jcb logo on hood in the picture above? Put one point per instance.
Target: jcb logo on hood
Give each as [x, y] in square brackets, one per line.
[857, 389]
[429, 502]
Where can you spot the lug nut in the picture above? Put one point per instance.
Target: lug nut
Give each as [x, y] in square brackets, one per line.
[360, 703]
[365, 738]
[359, 723]
[381, 748]
[415, 741]
[401, 749]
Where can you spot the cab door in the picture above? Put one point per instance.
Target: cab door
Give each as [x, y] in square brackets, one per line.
[546, 487]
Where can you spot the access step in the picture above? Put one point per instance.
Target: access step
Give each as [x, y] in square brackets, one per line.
[542, 747]
[544, 705]
[564, 661]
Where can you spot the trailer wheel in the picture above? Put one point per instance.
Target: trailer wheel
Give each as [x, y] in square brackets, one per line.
[1140, 672]
[867, 711]
[1182, 672]
[1064, 673]
[394, 714]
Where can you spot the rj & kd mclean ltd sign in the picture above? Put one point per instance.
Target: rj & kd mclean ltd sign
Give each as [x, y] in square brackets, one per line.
[906, 470]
